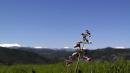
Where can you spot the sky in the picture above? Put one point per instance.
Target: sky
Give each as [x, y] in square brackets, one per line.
[59, 23]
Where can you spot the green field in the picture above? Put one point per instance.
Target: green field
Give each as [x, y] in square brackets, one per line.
[119, 66]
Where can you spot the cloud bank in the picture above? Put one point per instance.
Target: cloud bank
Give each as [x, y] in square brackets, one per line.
[10, 45]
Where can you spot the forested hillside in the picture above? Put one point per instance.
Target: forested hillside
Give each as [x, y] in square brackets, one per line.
[45, 56]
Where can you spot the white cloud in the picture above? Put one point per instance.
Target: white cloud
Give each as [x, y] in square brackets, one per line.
[120, 47]
[66, 47]
[10, 45]
[38, 47]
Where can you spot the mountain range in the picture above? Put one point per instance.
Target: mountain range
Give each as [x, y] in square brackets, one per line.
[28, 55]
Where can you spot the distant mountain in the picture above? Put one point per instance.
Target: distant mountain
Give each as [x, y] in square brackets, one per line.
[109, 53]
[53, 55]
[27, 55]
[32, 55]
[15, 56]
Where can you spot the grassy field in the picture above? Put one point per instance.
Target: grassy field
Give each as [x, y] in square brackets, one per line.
[119, 66]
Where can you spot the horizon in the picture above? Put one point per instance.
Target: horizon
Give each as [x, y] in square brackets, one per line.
[59, 23]
[40, 47]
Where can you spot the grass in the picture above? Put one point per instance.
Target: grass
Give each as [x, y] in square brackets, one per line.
[119, 66]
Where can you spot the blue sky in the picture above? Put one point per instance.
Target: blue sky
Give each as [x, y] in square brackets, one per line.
[59, 23]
